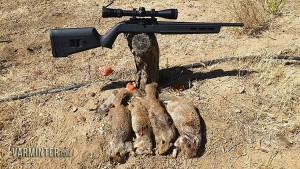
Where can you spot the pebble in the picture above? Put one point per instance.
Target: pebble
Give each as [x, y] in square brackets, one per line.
[91, 105]
[242, 90]
[81, 119]
[74, 109]
[258, 145]
[59, 97]
[237, 110]
[21, 142]
[93, 94]
[269, 82]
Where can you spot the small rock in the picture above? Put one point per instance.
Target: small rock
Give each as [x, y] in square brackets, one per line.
[242, 90]
[91, 105]
[264, 150]
[81, 119]
[21, 142]
[258, 145]
[74, 109]
[93, 108]
[97, 119]
[59, 97]
[56, 14]
[279, 52]
[93, 94]
[237, 110]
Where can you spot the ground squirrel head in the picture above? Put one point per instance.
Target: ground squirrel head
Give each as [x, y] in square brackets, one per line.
[188, 146]
[120, 96]
[151, 90]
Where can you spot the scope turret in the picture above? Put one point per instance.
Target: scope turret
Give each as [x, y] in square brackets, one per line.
[141, 12]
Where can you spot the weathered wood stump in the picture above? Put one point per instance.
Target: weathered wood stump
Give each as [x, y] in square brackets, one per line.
[145, 50]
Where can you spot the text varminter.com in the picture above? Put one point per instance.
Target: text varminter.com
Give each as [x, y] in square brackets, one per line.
[40, 152]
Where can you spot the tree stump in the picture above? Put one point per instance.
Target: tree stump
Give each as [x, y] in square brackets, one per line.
[145, 50]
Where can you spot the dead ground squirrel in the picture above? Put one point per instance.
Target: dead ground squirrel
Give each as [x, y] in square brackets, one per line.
[141, 125]
[121, 128]
[187, 122]
[162, 124]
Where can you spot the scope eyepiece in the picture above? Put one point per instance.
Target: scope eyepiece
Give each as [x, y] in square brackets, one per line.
[141, 12]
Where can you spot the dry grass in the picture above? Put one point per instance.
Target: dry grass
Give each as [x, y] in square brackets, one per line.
[253, 14]
[278, 88]
[7, 111]
[274, 6]
[3, 115]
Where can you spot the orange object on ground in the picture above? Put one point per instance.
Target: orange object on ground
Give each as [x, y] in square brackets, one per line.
[105, 70]
[130, 86]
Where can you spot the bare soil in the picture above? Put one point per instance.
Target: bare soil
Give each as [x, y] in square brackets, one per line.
[250, 107]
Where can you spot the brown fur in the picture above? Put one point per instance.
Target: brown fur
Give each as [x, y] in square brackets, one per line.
[187, 122]
[141, 126]
[162, 124]
[121, 128]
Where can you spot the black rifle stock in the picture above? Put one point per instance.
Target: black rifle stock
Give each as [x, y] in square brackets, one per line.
[72, 40]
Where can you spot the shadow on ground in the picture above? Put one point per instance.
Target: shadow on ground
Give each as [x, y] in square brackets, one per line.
[203, 135]
[114, 85]
[180, 75]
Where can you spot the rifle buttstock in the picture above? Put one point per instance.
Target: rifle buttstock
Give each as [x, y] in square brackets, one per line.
[72, 40]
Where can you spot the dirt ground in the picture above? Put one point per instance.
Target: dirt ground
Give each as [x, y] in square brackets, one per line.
[250, 107]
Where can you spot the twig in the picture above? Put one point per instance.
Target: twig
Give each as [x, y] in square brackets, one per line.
[60, 89]
[272, 157]
[53, 90]
[215, 61]
[5, 41]
[286, 57]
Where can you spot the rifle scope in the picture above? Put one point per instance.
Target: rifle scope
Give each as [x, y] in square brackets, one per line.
[141, 12]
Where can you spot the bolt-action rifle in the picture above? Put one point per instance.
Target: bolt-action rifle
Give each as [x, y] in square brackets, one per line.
[72, 40]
